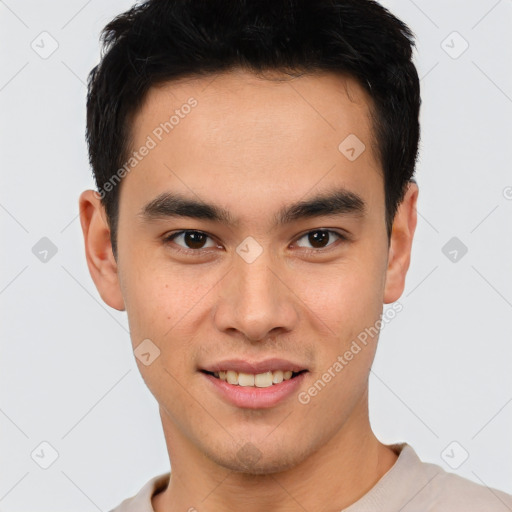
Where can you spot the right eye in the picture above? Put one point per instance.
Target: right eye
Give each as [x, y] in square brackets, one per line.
[192, 241]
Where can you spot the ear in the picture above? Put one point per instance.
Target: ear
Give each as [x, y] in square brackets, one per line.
[399, 256]
[98, 249]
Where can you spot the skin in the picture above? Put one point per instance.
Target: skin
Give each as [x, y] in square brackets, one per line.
[252, 146]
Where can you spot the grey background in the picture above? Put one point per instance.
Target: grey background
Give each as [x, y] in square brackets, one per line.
[441, 379]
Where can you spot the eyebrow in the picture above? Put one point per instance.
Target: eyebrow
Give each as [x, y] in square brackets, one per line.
[172, 204]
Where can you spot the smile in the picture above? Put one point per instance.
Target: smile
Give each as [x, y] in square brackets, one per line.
[258, 380]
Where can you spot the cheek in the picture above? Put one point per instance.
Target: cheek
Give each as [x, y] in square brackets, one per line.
[154, 306]
[165, 303]
[346, 297]
[157, 311]
[147, 295]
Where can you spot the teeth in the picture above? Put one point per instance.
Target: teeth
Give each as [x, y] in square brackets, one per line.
[245, 379]
[277, 377]
[263, 380]
[232, 377]
[260, 380]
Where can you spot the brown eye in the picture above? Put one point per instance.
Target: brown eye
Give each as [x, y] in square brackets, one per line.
[319, 238]
[192, 240]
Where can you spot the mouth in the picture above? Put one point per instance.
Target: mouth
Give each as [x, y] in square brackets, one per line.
[255, 380]
[251, 384]
[254, 388]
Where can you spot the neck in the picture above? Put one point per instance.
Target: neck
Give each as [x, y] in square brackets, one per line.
[332, 478]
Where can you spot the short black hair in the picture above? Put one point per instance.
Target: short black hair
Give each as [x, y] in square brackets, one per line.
[158, 41]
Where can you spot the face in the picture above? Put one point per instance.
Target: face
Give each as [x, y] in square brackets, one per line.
[261, 275]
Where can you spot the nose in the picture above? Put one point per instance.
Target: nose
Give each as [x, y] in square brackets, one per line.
[256, 301]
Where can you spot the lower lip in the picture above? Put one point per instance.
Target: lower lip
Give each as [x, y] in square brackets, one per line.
[253, 397]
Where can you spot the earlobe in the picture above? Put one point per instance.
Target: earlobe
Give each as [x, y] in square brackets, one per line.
[400, 246]
[98, 249]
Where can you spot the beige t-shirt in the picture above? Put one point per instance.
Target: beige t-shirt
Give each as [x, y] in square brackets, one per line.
[410, 485]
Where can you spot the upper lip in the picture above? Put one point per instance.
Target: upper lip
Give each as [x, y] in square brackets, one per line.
[255, 367]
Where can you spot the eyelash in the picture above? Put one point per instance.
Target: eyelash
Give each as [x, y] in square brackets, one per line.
[198, 252]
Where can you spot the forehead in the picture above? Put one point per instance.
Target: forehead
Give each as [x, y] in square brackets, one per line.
[240, 135]
[242, 103]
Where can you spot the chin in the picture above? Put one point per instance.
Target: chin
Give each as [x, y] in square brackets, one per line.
[250, 459]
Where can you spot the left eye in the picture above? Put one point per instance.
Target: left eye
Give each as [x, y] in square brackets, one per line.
[319, 238]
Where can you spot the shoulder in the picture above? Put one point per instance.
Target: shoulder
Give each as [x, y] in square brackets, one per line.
[437, 490]
[141, 502]
[450, 492]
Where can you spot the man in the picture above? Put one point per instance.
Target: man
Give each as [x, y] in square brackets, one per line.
[255, 210]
